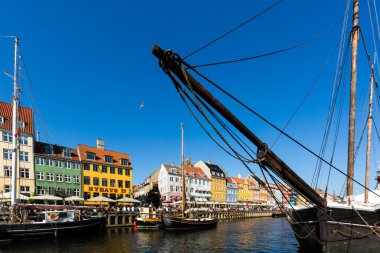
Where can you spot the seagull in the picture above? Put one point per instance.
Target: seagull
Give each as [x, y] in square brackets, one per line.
[142, 105]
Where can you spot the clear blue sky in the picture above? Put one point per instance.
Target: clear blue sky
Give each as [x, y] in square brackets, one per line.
[90, 66]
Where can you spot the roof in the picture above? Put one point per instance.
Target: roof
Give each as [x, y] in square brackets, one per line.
[197, 172]
[25, 115]
[215, 168]
[100, 154]
[40, 150]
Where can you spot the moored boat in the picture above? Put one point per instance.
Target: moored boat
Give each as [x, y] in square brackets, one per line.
[174, 222]
[148, 219]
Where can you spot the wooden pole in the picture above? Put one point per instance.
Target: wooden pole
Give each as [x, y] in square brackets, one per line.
[183, 174]
[369, 138]
[351, 133]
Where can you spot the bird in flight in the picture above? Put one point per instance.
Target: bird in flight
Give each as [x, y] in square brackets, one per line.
[142, 105]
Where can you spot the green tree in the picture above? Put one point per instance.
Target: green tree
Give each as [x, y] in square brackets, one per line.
[153, 197]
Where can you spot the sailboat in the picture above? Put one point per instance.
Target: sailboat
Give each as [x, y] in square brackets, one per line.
[25, 221]
[183, 222]
[319, 225]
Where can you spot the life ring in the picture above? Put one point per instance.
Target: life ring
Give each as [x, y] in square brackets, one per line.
[54, 216]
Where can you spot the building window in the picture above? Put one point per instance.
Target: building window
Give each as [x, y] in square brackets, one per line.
[25, 189]
[171, 179]
[90, 156]
[95, 181]
[49, 162]
[127, 173]
[58, 163]
[24, 156]
[95, 167]
[40, 190]
[112, 183]
[120, 171]
[87, 195]
[66, 152]
[112, 170]
[49, 177]
[127, 184]
[23, 139]
[171, 188]
[59, 178]
[76, 192]
[68, 165]
[40, 176]
[40, 161]
[49, 149]
[7, 154]
[7, 136]
[104, 182]
[76, 166]
[124, 162]
[76, 179]
[86, 180]
[21, 124]
[7, 171]
[86, 166]
[67, 178]
[104, 169]
[120, 183]
[108, 159]
[24, 172]
[1, 120]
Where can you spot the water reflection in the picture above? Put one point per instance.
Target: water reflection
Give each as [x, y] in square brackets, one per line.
[248, 235]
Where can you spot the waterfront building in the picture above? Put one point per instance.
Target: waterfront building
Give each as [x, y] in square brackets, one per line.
[25, 132]
[196, 181]
[141, 190]
[57, 170]
[245, 189]
[218, 180]
[105, 172]
[232, 191]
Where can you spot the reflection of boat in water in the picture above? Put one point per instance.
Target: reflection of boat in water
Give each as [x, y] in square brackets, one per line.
[20, 224]
[53, 223]
[183, 222]
[148, 219]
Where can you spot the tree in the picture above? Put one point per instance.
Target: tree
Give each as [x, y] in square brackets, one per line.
[153, 197]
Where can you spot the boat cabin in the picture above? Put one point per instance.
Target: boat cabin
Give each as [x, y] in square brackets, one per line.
[58, 216]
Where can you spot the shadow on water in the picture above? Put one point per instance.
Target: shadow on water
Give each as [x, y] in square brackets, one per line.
[248, 235]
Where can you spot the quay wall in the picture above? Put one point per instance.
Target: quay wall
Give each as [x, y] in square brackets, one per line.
[123, 219]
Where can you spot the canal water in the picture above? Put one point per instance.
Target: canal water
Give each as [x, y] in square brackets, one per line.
[247, 235]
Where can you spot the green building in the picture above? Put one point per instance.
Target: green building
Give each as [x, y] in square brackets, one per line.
[57, 170]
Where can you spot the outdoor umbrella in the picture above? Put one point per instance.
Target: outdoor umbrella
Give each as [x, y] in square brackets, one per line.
[74, 198]
[7, 195]
[46, 197]
[128, 200]
[100, 199]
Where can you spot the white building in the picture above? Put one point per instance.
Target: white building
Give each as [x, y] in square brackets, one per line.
[170, 183]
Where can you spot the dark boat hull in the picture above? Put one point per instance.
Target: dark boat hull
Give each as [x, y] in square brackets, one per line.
[38, 230]
[337, 229]
[186, 223]
[143, 224]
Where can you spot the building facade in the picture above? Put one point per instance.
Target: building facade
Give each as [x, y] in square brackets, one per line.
[104, 172]
[26, 182]
[218, 180]
[57, 170]
[232, 191]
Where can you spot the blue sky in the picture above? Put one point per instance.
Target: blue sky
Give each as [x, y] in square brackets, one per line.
[90, 67]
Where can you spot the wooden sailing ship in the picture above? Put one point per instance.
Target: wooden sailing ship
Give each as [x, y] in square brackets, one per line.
[320, 225]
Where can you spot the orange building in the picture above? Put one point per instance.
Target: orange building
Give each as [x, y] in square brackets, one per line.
[105, 173]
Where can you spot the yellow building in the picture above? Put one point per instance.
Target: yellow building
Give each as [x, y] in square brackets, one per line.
[105, 173]
[245, 189]
[218, 180]
[25, 178]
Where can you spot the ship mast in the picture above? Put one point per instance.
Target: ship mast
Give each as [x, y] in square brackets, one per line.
[351, 134]
[16, 91]
[369, 137]
[183, 174]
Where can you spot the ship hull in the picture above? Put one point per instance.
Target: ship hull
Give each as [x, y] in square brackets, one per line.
[188, 223]
[337, 229]
[149, 223]
[38, 230]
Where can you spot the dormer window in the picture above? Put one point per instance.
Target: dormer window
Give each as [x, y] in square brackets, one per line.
[1, 120]
[66, 152]
[90, 156]
[108, 159]
[124, 161]
[21, 124]
[49, 149]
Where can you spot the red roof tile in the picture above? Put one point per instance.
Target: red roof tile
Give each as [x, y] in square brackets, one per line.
[25, 115]
[100, 154]
[197, 172]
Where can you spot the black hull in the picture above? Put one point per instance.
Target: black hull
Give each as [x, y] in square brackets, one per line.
[38, 230]
[337, 230]
[148, 224]
[185, 223]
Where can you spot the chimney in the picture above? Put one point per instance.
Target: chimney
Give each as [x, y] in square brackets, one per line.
[239, 175]
[38, 136]
[100, 144]
[209, 161]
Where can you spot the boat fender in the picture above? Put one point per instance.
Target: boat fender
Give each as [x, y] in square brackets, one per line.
[54, 216]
